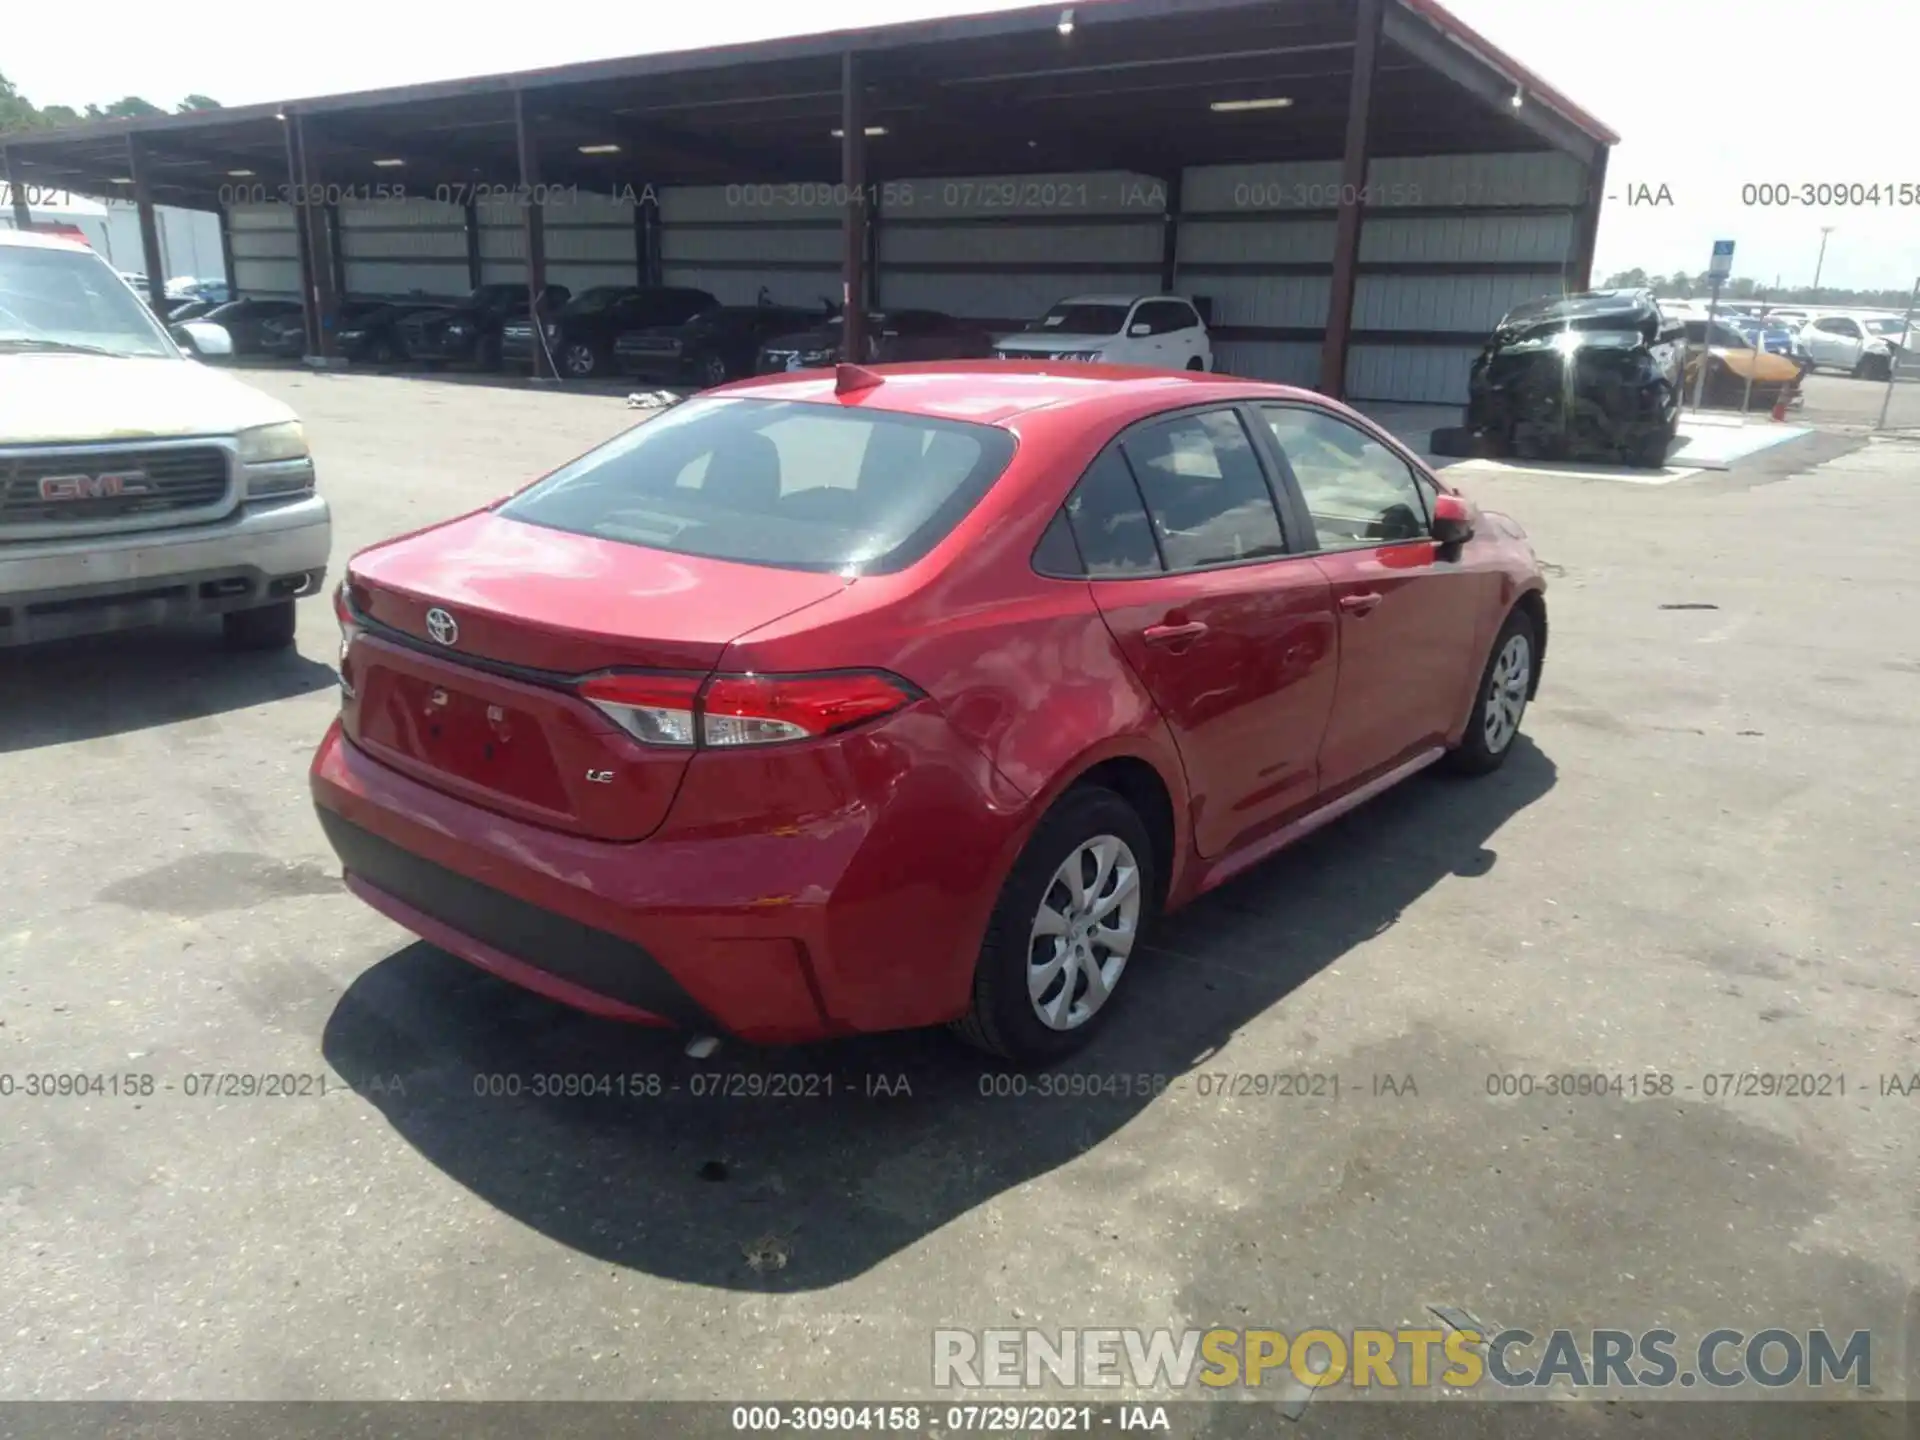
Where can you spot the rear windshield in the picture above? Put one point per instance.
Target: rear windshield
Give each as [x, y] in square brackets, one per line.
[796, 485]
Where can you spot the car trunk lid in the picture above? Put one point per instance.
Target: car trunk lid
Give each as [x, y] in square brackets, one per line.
[473, 636]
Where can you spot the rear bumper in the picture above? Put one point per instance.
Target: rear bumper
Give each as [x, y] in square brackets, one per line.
[856, 906]
[262, 554]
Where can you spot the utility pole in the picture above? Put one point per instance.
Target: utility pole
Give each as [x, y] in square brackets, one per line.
[1818, 265]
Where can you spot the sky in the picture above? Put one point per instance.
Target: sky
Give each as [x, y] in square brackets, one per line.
[1710, 97]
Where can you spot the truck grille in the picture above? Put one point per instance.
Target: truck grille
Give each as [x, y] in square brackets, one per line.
[82, 485]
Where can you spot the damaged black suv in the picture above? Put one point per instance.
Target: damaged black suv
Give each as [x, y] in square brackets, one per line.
[1597, 375]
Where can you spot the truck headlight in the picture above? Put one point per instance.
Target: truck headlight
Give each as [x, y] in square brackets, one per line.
[265, 444]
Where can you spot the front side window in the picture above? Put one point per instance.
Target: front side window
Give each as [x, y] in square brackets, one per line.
[1205, 491]
[796, 485]
[1359, 492]
[56, 299]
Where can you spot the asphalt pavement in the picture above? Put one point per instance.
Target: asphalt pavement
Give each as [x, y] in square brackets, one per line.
[1700, 862]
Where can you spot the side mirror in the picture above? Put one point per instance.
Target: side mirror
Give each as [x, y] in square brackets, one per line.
[1141, 329]
[204, 339]
[1453, 519]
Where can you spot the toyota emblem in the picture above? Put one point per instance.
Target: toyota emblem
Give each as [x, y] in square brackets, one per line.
[442, 627]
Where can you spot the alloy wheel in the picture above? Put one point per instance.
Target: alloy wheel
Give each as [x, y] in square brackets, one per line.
[713, 370]
[578, 359]
[1083, 933]
[1507, 693]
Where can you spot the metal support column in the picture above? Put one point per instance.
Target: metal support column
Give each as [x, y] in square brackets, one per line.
[853, 177]
[337, 254]
[155, 263]
[533, 219]
[471, 214]
[1353, 182]
[312, 214]
[22, 212]
[302, 235]
[1587, 224]
[226, 252]
[1170, 238]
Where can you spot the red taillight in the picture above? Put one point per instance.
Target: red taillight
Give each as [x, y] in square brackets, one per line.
[766, 709]
[656, 709]
[343, 612]
[736, 710]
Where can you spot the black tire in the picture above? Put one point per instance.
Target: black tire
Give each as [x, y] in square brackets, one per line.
[383, 352]
[578, 360]
[270, 627]
[1476, 755]
[713, 371]
[1650, 451]
[1196, 363]
[1002, 1020]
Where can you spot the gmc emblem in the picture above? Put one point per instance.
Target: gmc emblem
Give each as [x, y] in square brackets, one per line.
[94, 487]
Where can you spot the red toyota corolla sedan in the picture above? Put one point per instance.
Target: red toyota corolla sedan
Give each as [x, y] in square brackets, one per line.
[860, 700]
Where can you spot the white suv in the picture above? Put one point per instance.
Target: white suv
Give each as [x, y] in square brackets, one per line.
[1163, 332]
[1862, 345]
[136, 485]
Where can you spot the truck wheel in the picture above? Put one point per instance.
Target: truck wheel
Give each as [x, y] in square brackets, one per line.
[270, 627]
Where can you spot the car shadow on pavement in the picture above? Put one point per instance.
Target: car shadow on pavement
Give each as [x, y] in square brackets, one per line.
[726, 1177]
[104, 685]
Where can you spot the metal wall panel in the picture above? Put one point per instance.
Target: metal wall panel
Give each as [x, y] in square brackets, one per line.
[1545, 239]
[940, 247]
[751, 243]
[266, 250]
[1006, 298]
[1254, 189]
[1285, 361]
[1527, 178]
[734, 240]
[1470, 304]
[403, 247]
[1429, 374]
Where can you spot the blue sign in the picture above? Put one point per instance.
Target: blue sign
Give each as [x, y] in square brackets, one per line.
[1722, 265]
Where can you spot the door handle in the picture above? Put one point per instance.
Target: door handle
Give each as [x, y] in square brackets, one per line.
[1173, 634]
[1358, 605]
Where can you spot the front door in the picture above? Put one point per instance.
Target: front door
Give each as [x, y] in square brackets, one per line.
[1231, 634]
[1409, 610]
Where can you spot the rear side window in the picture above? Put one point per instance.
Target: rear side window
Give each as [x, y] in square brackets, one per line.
[796, 485]
[1205, 491]
[1110, 524]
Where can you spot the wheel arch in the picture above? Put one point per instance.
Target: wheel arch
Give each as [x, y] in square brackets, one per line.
[1533, 604]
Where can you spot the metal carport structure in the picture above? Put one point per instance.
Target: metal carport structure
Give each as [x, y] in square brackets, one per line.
[1358, 188]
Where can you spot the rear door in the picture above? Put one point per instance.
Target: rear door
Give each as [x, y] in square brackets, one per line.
[1410, 611]
[1231, 633]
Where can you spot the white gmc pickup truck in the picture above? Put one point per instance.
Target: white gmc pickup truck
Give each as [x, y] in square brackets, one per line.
[137, 486]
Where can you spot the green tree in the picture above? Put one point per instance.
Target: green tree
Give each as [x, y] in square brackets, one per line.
[130, 107]
[1634, 279]
[19, 113]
